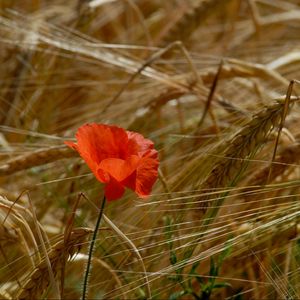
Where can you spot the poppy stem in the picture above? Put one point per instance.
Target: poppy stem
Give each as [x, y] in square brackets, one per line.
[88, 265]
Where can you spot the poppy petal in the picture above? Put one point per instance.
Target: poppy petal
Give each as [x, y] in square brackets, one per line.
[102, 175]
[102, 141]
[152, 153]
[119, 169]
[146, 175]
[137, 144]
[130, 181]
[86, 156]
[113, 190]
[117, 158]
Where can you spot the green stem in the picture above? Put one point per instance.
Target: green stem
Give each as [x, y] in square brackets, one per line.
[88, 265]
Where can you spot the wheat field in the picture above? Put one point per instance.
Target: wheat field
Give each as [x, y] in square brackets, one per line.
[213, 83]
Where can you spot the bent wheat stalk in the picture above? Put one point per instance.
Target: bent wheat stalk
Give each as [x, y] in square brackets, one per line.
[39, 278]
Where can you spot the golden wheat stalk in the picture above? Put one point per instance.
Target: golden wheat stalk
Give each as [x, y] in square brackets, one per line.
[36, 158]
[39, 279]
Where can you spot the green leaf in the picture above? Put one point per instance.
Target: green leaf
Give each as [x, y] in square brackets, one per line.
[205, 287]
[173, 258]
[199, 279]
[194, 267]
[221, 285]
[187, 254]
[169, 228]
[225, 253]
[213, 271]
[177, 295]
[142, 294]
[175, 278]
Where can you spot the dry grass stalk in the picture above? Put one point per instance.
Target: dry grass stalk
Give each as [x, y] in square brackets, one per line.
[17, 243]
[36, 158]
[133, 248]
[23, 218]
[67, 233]
[237, 68]
[211, 94]
[192, 19]
[35, 286]
[9, 239]
[283, 117]
[15, 217]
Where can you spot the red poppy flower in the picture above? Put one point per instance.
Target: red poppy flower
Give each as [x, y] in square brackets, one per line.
[118, 158]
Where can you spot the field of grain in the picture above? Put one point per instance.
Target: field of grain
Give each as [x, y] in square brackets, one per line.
[213, 83]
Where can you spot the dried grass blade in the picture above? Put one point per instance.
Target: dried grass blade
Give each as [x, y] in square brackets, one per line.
[67, 234]
[283, 117]
[211, 94]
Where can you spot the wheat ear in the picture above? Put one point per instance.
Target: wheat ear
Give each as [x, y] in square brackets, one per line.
[36, 158]
[39, 278]
[239, 149]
